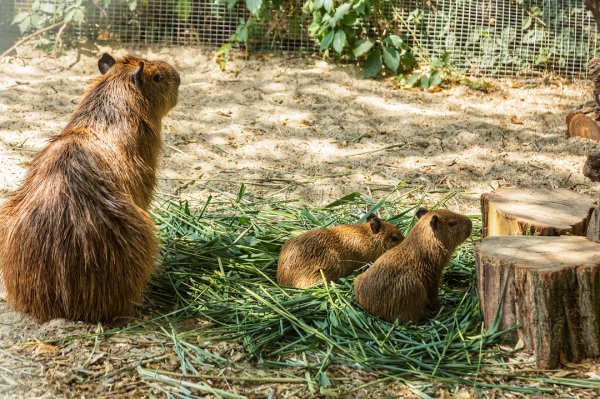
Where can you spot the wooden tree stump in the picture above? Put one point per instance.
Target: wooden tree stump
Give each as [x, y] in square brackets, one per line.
[549, 287]
[539, 212]
[593, 230]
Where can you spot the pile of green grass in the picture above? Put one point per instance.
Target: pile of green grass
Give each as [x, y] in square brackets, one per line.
[219, 264]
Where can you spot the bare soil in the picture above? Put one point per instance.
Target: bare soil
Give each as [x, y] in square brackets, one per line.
[291, 126]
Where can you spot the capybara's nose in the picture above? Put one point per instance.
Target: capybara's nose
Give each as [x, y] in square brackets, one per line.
[469, 225]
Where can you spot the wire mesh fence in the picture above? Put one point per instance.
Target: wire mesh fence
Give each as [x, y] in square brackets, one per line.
[503, 37]
[207, 23]
[482, 37]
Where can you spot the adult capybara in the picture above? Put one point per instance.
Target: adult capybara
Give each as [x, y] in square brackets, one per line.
[336, 251]
[404, 282]
[76, 240]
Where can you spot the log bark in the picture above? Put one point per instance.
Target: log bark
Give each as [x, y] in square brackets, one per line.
[591, 167]
[593, 230]
[549, 287]
[594, 7]
[539, 212]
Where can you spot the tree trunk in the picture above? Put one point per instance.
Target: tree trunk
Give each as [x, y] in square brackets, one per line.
[594, 7]
[549, 287]
[539, 212]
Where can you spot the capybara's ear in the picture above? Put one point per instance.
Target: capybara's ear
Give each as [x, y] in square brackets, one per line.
[421, 212]
[105, 63]
[138, 74]
[434, 221]
[375, 223]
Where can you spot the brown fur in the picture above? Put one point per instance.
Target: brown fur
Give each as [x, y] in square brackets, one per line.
[583, 126]
[337, 251]
[75, 238]
[404, 282]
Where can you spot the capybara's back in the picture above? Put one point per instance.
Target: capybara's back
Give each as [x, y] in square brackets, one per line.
[75, 238]
[334, 252]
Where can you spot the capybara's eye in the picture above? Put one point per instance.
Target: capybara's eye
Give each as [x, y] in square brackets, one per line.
[157, 78]
[452, 222]
[395, 238]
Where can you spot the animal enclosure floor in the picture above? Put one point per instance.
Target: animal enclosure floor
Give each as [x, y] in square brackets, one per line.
[290, 126]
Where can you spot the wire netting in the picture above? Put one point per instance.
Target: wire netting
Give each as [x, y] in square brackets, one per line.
[482, 37]
[210, 23]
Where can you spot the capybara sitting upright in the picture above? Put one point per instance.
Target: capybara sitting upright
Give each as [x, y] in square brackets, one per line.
[76, 240]
[404, 282]
[337, 251]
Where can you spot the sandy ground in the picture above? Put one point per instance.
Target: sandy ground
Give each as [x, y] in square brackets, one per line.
[294, 126]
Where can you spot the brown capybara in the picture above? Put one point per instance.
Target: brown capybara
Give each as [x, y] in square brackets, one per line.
[76, 240]
[583, 126]
[404, 282]
[336, 251]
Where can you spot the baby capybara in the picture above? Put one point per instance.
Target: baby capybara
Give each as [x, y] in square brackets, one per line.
[76, 240]
[404, 282]
[336, 251]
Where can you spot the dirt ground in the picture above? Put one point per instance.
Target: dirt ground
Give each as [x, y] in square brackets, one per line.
[294, 126]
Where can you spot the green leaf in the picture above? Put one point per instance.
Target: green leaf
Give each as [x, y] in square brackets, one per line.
[328, 4]
[231, 4]
[349, 20]
[184, 9]
[48, 8]
[339, 41]
[323, 379]
[373, 63]
[69, 15]
[344, 200]
[319, 4]
[25, 24]
[314, 27]
[241, 193]
[339, 14]
[362, 46]
[413, 79]
[408, 59]
[79, 15]
[242, 33]
[394, 40]
[446, 58]
[435, 79]
[527, 22]
[437, 63]
[254, 5]
[132, 5]
[326, 42]
[424, 82]
[37, 20]
[391, 58]
[20, 17]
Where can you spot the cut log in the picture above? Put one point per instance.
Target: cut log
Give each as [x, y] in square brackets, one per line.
[549, 287]
[591, 167]
[539, 212]
[593, 230]
[582, 125]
